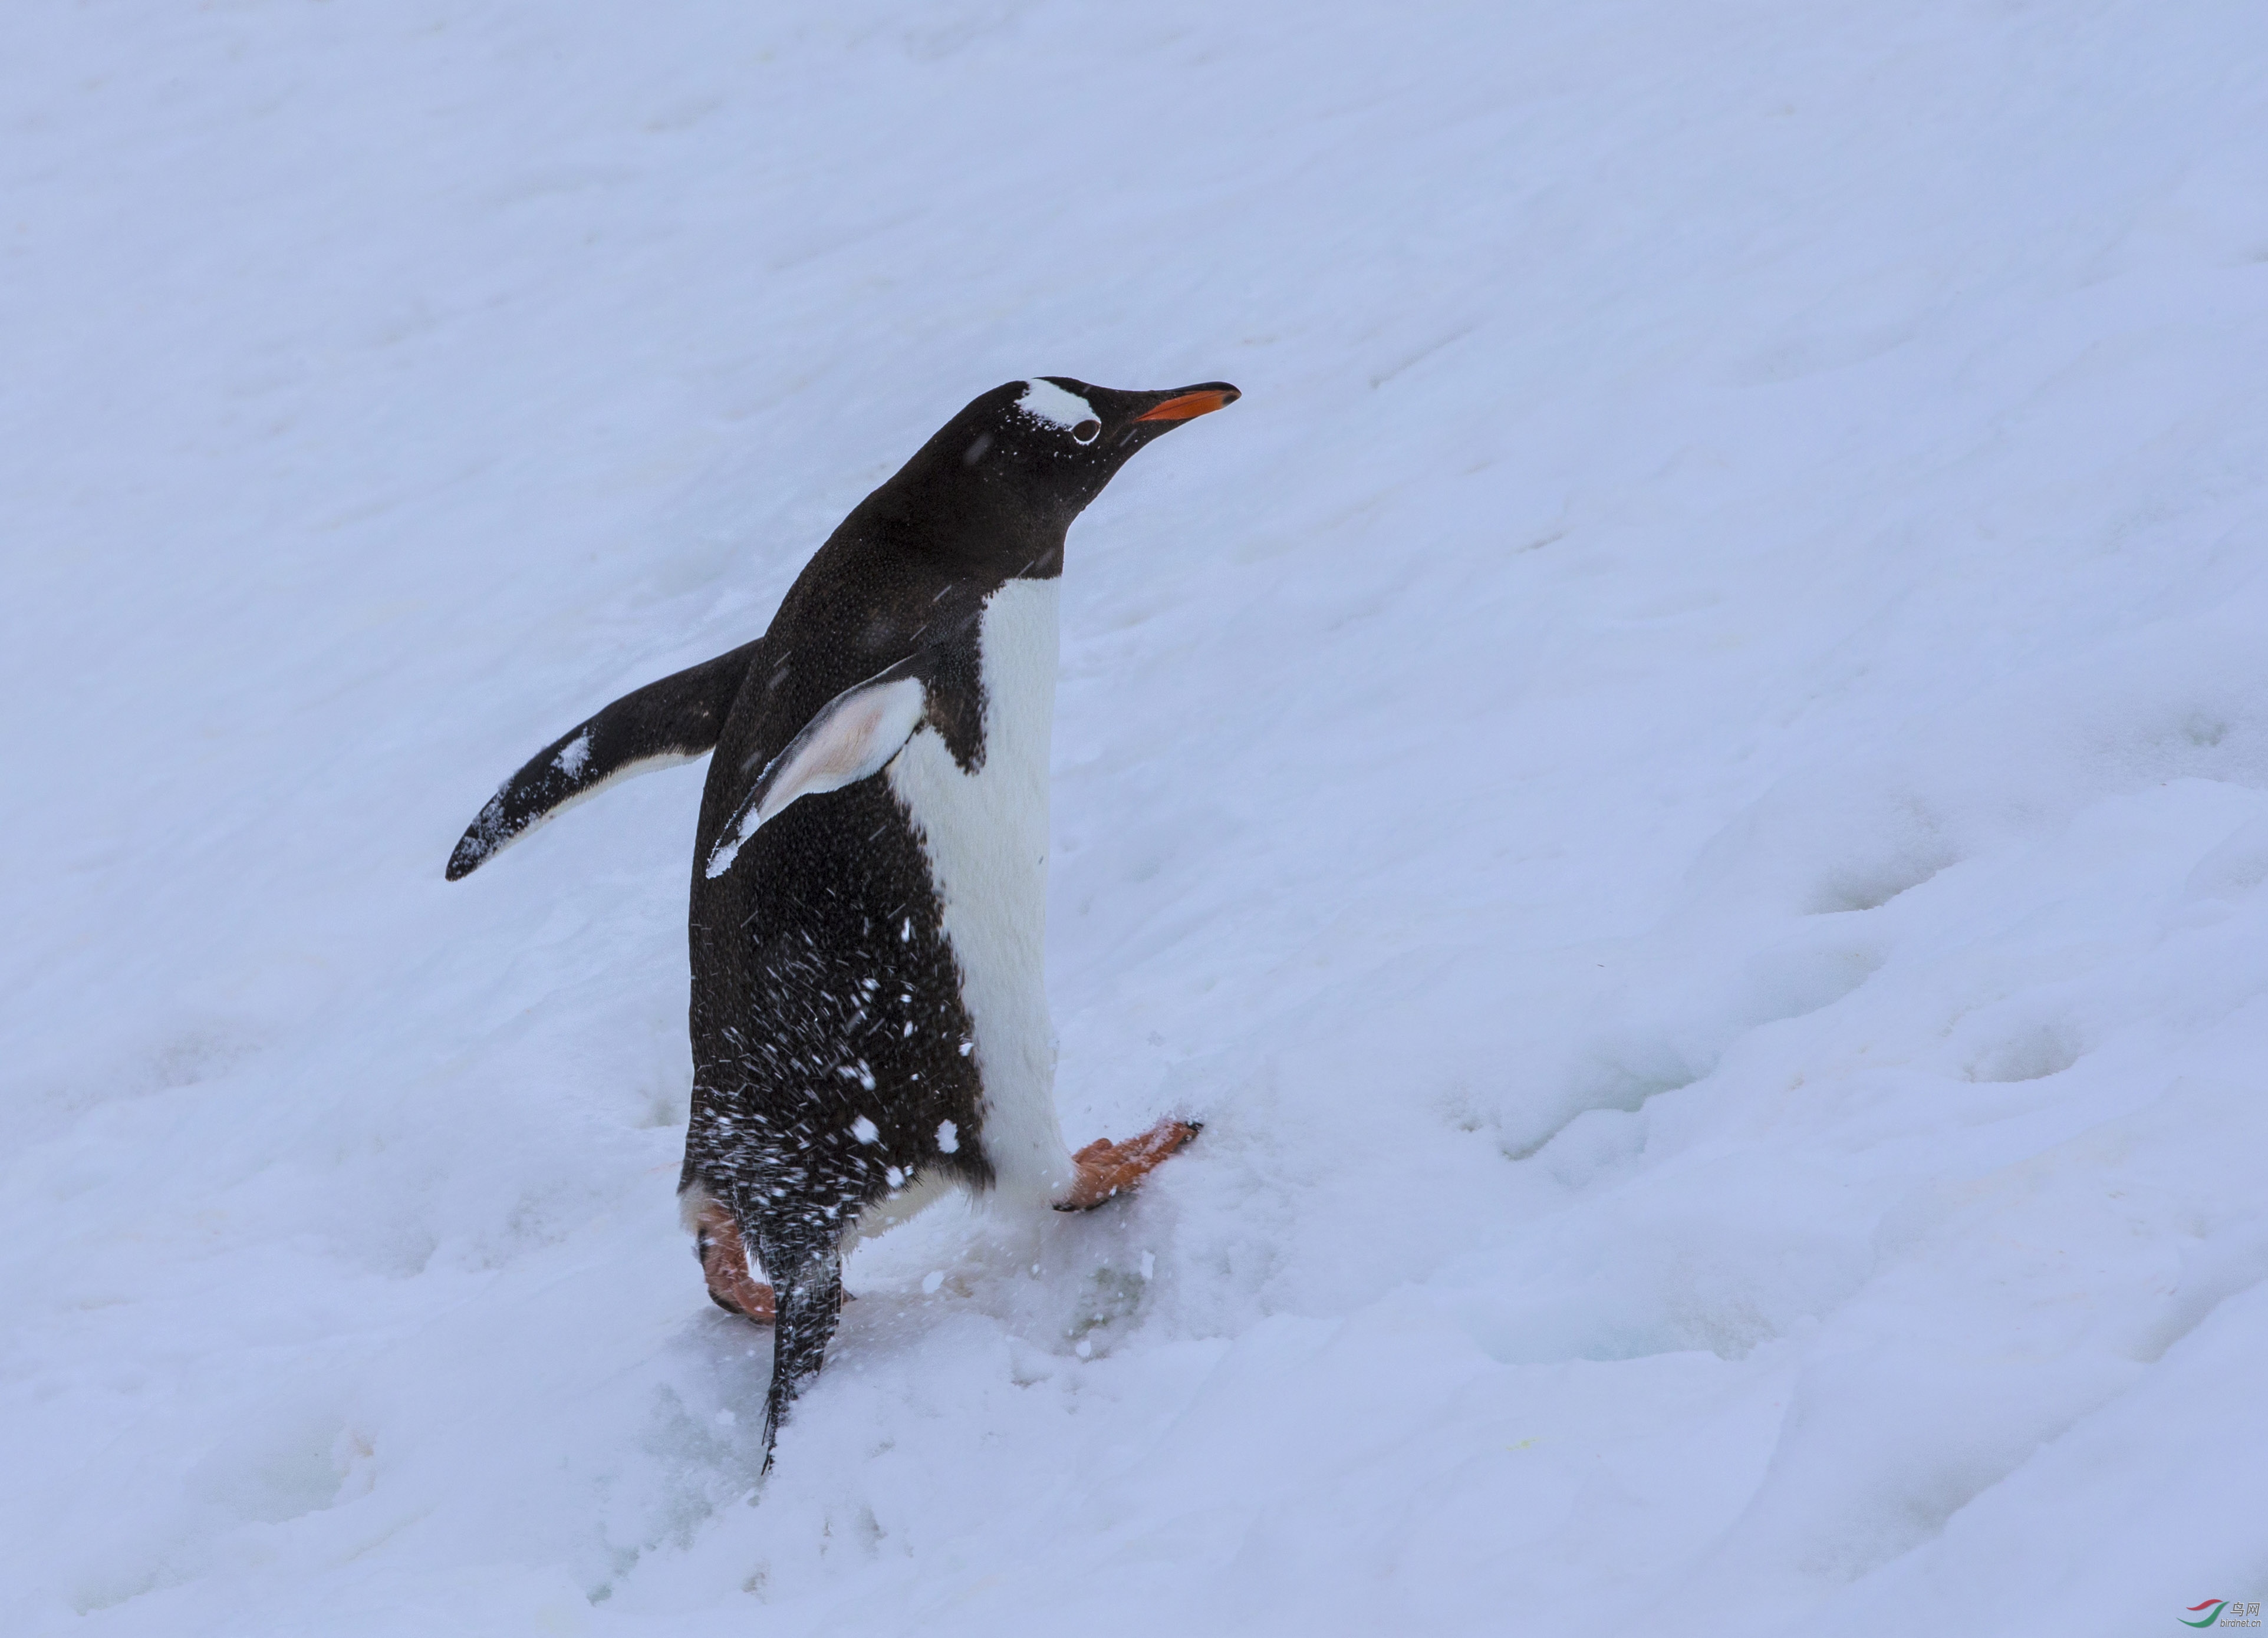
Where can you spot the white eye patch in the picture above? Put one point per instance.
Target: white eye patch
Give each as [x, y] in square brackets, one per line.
[1044, 400]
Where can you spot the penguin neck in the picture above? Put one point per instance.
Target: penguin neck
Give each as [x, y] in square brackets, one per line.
[982, 526]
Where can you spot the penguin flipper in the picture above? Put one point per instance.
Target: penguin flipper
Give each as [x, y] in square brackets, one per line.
[851, 737]
[665, 723]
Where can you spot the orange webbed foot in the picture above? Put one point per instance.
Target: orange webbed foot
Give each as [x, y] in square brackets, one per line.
[1107, 1169]
[724, 1261]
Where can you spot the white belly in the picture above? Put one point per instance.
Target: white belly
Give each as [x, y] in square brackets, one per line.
[986, 834]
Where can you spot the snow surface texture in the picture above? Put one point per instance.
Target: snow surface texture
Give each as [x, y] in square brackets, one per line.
[1683, 786]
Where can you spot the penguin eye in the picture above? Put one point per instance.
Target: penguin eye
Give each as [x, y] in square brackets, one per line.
[1087, 430]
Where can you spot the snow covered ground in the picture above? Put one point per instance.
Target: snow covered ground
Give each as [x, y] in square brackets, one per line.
[1684, 785]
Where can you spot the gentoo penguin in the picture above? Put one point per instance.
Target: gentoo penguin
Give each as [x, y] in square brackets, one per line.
[870, 1028]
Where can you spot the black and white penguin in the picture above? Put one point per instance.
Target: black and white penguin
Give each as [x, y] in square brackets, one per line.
[869, 1021]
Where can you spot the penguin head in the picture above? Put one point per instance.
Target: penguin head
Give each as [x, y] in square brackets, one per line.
[1024, 460]
[1058, 441]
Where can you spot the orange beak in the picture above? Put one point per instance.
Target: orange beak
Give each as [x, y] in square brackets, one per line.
[1188, 406]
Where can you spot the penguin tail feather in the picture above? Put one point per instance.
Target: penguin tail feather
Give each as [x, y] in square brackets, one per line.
[808, 1302]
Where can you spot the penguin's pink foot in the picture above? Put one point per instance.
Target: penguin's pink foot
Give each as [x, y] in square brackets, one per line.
[1106, 1169]
[724, 1260]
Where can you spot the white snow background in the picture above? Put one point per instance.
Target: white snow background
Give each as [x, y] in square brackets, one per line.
[1682, 785]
